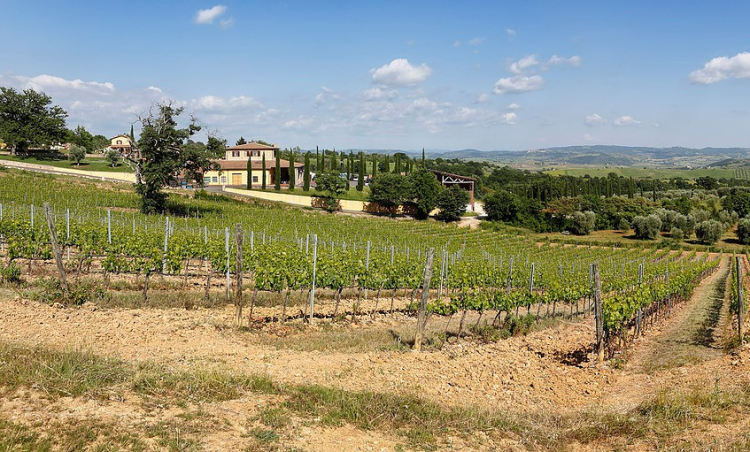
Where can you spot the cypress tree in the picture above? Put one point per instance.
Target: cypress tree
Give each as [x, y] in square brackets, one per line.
[374, 166]
[277, 173]
[263, 173]
[306, 174]
[387, 168]
[132, 135]
[317, 160]
[361, 178]
[397, 165]
[423, 162]
[249, 174]
[292, 171]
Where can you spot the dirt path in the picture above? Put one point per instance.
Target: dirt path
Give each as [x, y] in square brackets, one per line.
[680, 351]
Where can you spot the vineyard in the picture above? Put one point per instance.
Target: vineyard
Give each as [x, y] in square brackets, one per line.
[285, 251]
[228, 324]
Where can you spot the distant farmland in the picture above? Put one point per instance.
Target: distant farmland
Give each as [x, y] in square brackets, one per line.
[643, 173]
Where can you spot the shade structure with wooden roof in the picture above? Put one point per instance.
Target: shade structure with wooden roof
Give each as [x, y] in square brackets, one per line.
[465, 182]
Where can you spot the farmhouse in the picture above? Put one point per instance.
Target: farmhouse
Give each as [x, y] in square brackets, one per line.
[233, 167]
[122, 144]
[448, 179]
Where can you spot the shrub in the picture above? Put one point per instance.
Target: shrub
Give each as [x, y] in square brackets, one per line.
[623, 225]
[676, 233]
[452, 203]
[709, 232]
[11, 273]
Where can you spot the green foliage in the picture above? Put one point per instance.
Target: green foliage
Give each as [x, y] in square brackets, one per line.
[162, 155]
[709, 232]
[10, 273]
[425, 190]
[737, 200]
[81, 137]
[27, 119]
[292, 171]
[646, 227]
[501, 206]
[390, 190]
[113, 157]
[361, 172]
[743, 231]
[263, 172]
[249, 184]
[676, 233]
[76, 153]
[582, 223]
[306, 174]
[240, 142]
[452, 203]
[332, 187]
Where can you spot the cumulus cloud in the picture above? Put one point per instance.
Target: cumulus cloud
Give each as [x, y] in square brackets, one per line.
[626, 121]
[518, 67]
[215, 103]
[594, 120]
[400, 72]
[556, 60]
[513, 106]
[376, 93]
[722, 68]
[207, 16]
[325, 95]
[509, 118]
[518, 84]
[57, 85]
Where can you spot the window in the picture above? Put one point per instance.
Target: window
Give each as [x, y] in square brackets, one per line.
[255, 179]
[235, 153]
[119, 141]
[256, 153]
[207, 180]
[247, 154]
[214, 179]
[223, 179]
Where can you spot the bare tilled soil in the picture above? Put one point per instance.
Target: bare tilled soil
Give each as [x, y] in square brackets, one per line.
[547, 376]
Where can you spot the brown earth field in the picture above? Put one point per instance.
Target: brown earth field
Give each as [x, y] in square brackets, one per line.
[106, 379]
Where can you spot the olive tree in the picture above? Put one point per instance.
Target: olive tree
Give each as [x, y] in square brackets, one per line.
[709, 232]
[646, 227]
[76, 153]
[582, 223]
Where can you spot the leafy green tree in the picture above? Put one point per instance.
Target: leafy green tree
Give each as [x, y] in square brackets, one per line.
[501, 206]
[277, 173]
[709, 232]
[306, 174]
[99, 142]
[390, 190]
[27, 119]
[332, 187]
[162, 154]
[76, 153]
[263, 172]
[240, 142]
[81, 137]
[361, 176]
[425, 190]
[743, 231]
[452, 203]
[216, 147]
[646, 227]
[737, 200]
[582, 223]
[113, 157]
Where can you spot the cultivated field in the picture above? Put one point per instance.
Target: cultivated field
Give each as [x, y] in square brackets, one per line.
[148, 348]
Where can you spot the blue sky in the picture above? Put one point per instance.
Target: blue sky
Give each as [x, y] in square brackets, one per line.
[490, 75]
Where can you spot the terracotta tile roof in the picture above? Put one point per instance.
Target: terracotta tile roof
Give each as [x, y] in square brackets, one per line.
[257, 164]
[253, 146]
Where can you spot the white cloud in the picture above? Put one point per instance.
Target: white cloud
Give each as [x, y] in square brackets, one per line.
[482, 98]
[476, 41]
[155, 89]
[509, 118]
[722, 68]
[325, 95]
[61, 86]
[219, 104]
[518, 67]
[510, 32]
[226, 23]
[626, 121]
[555, 60]
[207, 16]
[594, 120]
[400, 72]
[513, 106]
[518, 84]
[379, 94]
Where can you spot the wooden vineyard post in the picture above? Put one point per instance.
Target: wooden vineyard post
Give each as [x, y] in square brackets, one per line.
[598, 312]
[238, 273]
[312, 287]
[226, 249]
[740, 302]
[56, 247]
[423, 303]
